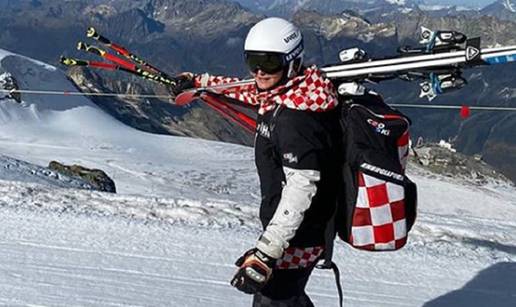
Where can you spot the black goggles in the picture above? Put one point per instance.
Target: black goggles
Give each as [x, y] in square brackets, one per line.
[267, 62]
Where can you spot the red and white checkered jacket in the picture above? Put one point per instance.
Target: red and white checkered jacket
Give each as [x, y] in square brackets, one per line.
[309, 91]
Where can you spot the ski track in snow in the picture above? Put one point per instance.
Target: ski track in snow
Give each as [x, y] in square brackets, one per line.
[186, 209]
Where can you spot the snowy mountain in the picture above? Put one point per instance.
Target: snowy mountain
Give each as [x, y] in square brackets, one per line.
[466, 4]
[503, 9]
[367, 8]
[187, 208]
[334, 7]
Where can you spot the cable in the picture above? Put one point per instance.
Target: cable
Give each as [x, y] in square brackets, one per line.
[455, 107]
[398, 105]
[66, 93]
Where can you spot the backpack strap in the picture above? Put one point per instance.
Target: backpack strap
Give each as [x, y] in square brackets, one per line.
[329, 240]
[327, 263]
[331, 265]
[336, 271]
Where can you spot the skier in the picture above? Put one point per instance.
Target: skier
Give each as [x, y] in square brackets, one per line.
[296, 151]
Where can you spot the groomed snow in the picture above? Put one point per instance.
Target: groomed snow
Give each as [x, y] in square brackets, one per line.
[64, 247]
[188, 208]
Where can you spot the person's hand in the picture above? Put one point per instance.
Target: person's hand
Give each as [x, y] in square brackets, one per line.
[184, 81]
[255, 270]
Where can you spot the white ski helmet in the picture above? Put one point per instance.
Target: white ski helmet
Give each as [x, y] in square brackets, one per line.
[279, 42]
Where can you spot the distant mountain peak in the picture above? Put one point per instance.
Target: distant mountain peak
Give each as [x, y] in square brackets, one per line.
[501, 9]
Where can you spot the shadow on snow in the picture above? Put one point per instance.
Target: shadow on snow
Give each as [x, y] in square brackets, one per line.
[494, 286]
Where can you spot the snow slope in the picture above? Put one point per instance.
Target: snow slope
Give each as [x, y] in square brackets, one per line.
[188, 208]
[74, 130]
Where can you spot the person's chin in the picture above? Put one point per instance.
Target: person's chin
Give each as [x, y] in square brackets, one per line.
[265, 84]
[264, 88]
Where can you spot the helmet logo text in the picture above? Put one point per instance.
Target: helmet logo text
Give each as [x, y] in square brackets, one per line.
[290, 38]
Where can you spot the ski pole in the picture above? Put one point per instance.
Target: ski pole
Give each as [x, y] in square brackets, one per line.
[76, 62]
[108, 66]
[102, 53]
[92, 33]
[126, 64]
[228, 112]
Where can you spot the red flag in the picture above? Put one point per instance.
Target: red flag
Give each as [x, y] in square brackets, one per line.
[465, 112]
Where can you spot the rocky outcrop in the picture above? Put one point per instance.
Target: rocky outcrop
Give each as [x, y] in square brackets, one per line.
[442, 159]
[12, 169]
[325, 36]
[95, 177]
[9, 83]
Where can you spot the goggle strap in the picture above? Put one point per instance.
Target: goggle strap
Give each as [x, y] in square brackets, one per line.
[294, 53]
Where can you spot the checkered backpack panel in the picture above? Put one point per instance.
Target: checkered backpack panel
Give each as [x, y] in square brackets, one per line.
[379, 221]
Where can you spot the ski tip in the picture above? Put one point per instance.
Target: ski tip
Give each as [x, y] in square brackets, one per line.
[90, 32]
[185, 98]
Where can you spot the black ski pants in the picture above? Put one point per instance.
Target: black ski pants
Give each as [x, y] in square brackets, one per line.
[286, 288]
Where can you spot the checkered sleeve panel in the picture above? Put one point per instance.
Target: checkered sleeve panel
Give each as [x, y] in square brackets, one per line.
[379, 221]
[299, 257]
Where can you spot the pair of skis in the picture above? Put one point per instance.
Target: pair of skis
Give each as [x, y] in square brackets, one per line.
[437, 64]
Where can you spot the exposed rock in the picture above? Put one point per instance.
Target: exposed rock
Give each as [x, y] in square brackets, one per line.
[9, 83]
[289, 7]
[344, 25]
[97, 178]
[444, 160]
[101, 10]
[16, 170]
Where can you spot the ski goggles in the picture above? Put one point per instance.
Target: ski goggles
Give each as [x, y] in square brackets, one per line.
[267, 62]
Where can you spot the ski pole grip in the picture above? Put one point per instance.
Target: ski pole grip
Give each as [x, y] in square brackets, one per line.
[91, 32]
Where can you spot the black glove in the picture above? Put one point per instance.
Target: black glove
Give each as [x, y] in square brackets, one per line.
[183, 82]
[255, 270]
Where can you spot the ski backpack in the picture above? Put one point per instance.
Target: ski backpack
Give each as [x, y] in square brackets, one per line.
[378, 207]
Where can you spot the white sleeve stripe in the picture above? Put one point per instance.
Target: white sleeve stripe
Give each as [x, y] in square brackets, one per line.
[296, 198]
